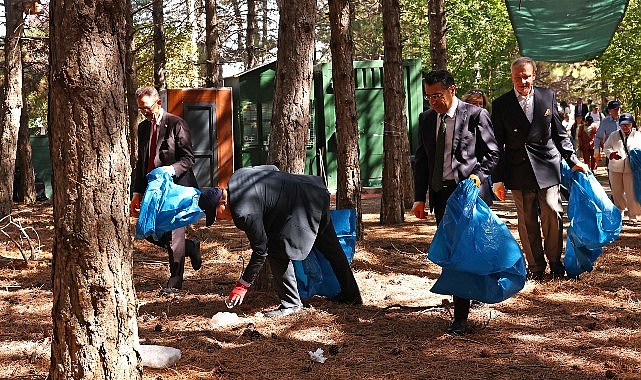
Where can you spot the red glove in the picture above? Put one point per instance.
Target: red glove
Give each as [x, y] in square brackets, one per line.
[134, 205]
[499, 190]
[237, 295]
[419, 210]
[615, 156]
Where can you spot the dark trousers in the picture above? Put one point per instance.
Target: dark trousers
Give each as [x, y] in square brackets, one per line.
[328, 244]
[174, 243]
[461, 305]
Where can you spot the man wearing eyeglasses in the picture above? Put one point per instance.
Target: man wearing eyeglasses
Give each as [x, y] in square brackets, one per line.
[456, 142]
[164, 140]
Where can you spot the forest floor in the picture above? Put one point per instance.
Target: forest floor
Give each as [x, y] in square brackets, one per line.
[588, 328]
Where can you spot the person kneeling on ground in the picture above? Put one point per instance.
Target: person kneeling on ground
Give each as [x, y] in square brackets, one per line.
[283, 215]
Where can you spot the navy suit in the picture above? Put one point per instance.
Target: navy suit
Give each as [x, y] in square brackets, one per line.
[173, 148]
[530, 166]
[284, 215]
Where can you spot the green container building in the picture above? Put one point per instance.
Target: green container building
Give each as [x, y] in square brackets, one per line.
[253, 96]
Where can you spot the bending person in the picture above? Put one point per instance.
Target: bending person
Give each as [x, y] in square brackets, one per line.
[283, 215]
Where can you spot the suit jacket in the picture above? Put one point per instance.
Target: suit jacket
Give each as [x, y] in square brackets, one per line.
[173, 148]
[581, 109]
[474, 149]
[530, 152]
[279, 212]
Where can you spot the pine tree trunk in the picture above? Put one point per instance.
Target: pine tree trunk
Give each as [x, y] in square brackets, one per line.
[160, 82]
[348, 194]
[211, 45]
[251, 36]
[239, 25]
[94, 333]
[395, 131]
[131, 79]
[437, 25]
[24, 155]
[290, 118]
[12, 103]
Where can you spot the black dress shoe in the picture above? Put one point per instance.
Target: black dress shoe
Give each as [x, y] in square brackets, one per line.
[192, 246]
[282, 311]
[458, 327]
[558, 270]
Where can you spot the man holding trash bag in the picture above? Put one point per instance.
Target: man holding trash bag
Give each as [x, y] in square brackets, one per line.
[456, 141]
[533, 141]
[283, 215]
[164, 141]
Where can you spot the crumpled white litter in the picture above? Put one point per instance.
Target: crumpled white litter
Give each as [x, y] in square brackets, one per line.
[317, 356]
[155, 356]
[223, 318]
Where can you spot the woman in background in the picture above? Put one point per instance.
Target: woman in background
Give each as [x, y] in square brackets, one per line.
[476, 97]
[616, 147]
[586, 132]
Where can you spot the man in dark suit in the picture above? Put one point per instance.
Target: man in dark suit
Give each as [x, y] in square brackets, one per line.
[456, 142]
[581, 109]
[283, 215]
[164, 140]
[532, 141]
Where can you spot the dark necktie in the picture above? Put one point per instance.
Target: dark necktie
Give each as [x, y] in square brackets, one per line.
[439, 156]
[152, 148]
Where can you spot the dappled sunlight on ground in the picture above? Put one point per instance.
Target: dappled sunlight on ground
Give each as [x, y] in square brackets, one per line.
[588, 328]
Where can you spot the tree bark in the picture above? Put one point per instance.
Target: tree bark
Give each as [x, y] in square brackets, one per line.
[438, 26]
[265, 27]
[131, 78]
[160, 82]
[27, 176]
[395, 131]
[251, 37]
[239, 25]
[211, 45]
[290, 118]
[94, 332]
[348, 194]
[12, 103]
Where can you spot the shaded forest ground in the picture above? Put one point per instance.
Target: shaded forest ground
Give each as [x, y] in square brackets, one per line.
[554, 329]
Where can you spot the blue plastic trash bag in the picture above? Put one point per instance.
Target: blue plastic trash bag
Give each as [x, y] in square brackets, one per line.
[579, 259]
[480, 258]
[566, 176]
[594, 222]
[166, 206]
[635, 164]
[315, 275]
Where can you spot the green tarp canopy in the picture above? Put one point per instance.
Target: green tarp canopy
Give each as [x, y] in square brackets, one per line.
[563, 30]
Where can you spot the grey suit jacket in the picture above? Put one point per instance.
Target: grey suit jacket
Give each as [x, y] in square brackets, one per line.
[530, 152]
[279, 212]
[474, 149]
